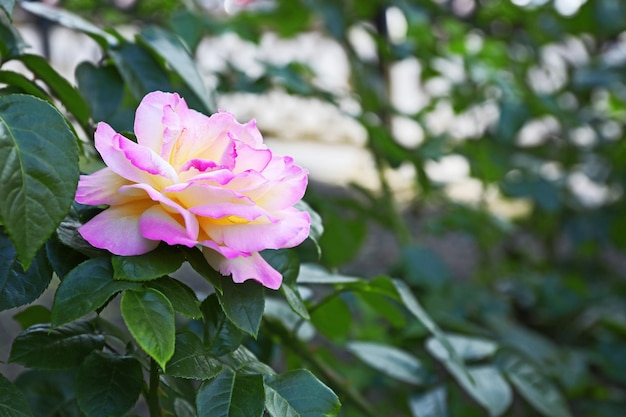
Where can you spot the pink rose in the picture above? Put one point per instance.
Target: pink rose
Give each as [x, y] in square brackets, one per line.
[195, 180]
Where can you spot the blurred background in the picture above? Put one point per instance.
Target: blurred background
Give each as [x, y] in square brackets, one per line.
[473, 148]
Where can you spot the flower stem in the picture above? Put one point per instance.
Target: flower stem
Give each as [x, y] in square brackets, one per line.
[336, 381]
[153, 394]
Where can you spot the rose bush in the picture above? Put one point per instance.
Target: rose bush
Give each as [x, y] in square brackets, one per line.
[195, 180]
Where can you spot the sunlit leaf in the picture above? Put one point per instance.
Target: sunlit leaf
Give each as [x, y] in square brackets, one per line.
[39, 160]
[467, 348]
[7, 6]
[533, 385]
[315, 274]
[430, 404]
[389, 360]
[149, 316]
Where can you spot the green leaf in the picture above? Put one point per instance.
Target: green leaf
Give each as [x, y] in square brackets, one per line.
[182, 297]
[191, 360]
[540, 392]
[162, 261]
[484, 384]
[39, 160]
[139, 70]
[103, 90]
[189, 26]
[422, 267]
[19, 287]
[295, 301]
[41, 347]
[383, 306]
[85, 289]
[62, 258]
[544, 193]
[7, 6]
[280, 311]
[170, 49]
[60, 87]
[11, 42]
[315, 274]
[430, 404]
[22, 84]
[32, 315]
[12, 401]
[50, 393]
[199, 263]
[332, 318]
[243, 304]
[182, 408]
[414, 307]
[231, 395]
[317, 226]
[108, 385]
[221, 336]
[71, 21]
[149, 316]
[467, 348]
[244, 362]
[449, 356]
[389, 360]
[342, 237]
[488, 388]
[286, 262]
[68, 234]
[299, 394]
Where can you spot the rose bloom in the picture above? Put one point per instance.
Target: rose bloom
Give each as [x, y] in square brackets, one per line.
[195, 180]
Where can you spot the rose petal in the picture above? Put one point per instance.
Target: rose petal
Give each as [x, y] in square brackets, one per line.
[252, 159]
[158, 224]
[245, 212]
[200, 139]
[200, 195]
[190, 222]
[101, 187]
[132, 161]
[116, 229]
[150, 121]
[290, 229]
[245, 268]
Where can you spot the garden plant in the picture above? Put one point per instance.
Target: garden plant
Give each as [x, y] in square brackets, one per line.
[195, 271]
